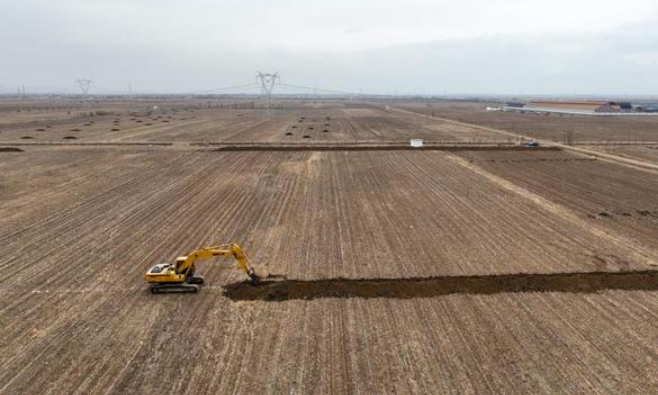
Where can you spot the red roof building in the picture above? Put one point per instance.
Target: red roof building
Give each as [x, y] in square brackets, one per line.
[584, 107]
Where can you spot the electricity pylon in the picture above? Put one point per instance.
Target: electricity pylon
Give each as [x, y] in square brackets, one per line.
[84, 85]
[267, 82]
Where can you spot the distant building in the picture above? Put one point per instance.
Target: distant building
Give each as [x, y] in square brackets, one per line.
[514, 104]
[574, 107]
[625, 106]
[646, 107]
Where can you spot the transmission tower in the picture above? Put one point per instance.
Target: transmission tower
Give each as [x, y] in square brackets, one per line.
[84, 85]
[267, 82]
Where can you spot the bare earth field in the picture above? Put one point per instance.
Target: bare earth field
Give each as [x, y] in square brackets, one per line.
[645, 152]
[609, 195]
[198, 123]
[407, 272]
[554, 127]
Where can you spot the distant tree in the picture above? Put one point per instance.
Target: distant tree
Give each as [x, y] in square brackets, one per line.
[568, 139]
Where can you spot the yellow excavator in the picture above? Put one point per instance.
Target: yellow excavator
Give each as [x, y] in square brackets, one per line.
[179, 276]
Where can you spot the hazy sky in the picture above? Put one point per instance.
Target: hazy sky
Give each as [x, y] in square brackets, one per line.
[412, 46]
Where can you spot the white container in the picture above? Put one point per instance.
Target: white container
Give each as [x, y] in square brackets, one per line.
[416, 143]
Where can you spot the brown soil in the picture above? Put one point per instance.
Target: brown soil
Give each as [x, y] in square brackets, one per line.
[431, 287]
[391, 146]
[390, 271]
[554, 127]
[587, 186]
[645, 152]
[10, 149]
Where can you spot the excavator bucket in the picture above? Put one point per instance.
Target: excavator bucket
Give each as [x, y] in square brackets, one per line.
[254, 278]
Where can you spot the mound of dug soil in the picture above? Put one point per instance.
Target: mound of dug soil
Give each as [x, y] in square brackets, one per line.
[588, 282]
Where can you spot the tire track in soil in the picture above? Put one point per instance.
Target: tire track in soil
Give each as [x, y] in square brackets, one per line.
[243, 352]
[84, 206]
[65, 193]
[62, 227]
[457, 207]
[633, 163]
[545, 339]
[405, 368]
[52, 348]
[591, 189]
[392, 210]
[153, 206]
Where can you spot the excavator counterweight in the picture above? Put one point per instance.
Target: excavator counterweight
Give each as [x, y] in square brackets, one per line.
[179, 276]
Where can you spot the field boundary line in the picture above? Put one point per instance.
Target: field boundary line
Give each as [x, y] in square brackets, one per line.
[610, 158]
[616, 159]
[638, 252]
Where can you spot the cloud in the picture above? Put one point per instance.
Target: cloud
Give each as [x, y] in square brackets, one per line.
[619, 61]
[437, 46]
[352, 31]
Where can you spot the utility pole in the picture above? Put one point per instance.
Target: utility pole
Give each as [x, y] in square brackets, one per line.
[84, 85]
[267, 82]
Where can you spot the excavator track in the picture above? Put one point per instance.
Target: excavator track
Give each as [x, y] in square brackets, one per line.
[174, 288]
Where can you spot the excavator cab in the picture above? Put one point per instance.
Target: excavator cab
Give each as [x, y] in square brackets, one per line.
[164, 277]
[157, 269]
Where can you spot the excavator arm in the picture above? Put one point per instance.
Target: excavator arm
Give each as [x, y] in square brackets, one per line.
[187, 264]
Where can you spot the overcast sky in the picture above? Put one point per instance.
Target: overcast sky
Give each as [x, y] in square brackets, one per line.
[405, 47]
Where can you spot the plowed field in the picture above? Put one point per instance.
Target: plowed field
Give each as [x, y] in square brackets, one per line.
[181, 123]
[553, 127]
[408, 272]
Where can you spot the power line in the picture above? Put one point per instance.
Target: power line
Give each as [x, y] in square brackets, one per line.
[109, 91]
[316, 89]
[253, 85]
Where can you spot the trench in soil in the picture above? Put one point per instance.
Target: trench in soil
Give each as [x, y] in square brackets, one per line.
[590, 282]
[384, 147]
